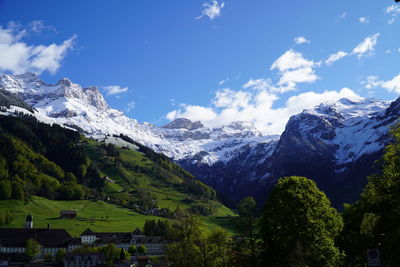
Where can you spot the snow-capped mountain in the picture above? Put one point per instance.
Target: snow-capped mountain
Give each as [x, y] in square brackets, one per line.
[334, 143]
[71, 105]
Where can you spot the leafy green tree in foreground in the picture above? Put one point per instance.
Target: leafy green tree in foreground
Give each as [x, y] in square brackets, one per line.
[374, 221]
[195, 247]
[299, 226]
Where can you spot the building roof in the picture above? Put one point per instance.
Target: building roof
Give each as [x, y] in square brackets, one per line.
[151, 239]
[75, 241]
[17, 237]
[137, 232]
[116, 238]
[87, 232]
[87, 256]
[68, 212]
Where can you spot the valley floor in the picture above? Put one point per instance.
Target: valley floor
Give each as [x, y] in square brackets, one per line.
[96, 215]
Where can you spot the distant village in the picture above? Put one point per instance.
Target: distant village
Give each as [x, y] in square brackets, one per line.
[31, 246]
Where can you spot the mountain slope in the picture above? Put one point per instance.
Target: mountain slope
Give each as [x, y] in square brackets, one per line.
[57, 163]
[335, 143]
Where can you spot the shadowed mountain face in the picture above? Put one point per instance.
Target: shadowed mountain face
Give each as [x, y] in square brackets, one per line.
[182, 123]
[334, 144]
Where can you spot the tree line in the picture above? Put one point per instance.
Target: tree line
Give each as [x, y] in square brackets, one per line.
[299, 227]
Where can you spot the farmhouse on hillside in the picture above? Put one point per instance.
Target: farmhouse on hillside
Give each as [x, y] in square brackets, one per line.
[68, 214]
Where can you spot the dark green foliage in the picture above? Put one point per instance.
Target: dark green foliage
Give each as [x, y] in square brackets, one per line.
[5, 189]
[195, 247]
[94, 178]
[111, 252]
[190, 184]
[58, 163]
[141, 250]
[247, 228]
[32, 248]
[204, 209]
[71, 190]
[157, 228]
[48, 257]
[5, 217]
[60, 255]
[374, 221]
[247, 207]
[299, 226]
[132, 249]
[124, 255]
[37, 158]
[199, 189]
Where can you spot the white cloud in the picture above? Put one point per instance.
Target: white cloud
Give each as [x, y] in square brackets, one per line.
[130, 106]
[371, 82]
[392, 85]
[258, 84]
[194, 113]
[392, 11]
[257, 107]
[344, 15]
[227, 98]
[366, 47]
[301, 40]
[293, 68]
[364, 20]
[291, 60]
[38, 26]
[335, 57]
[301, 75]
[223, 81]
[115, 89]
[212, 10]
[19, 57]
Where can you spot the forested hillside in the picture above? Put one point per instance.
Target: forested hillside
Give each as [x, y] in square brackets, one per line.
[58, 163]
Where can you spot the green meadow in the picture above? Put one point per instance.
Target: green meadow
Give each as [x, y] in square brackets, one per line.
[96, 215]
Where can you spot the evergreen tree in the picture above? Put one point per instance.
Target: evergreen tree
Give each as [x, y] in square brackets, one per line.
[5, 189]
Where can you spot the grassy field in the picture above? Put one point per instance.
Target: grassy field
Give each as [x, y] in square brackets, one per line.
[96, 215]
[166, 194]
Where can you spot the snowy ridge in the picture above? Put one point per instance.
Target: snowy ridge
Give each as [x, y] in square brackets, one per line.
[354, 124]
[69, 104]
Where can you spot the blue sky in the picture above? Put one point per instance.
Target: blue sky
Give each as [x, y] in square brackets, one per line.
[215, 61]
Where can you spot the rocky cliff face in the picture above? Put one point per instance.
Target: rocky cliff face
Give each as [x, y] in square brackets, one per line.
[334, 144]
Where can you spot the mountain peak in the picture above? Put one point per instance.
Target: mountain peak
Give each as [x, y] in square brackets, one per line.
[183, 123]
[64, 82]
[28, 76]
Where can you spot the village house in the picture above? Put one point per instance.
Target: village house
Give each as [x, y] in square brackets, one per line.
[155, 245]
[84, 259]
[68, 214]
[14, 240]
